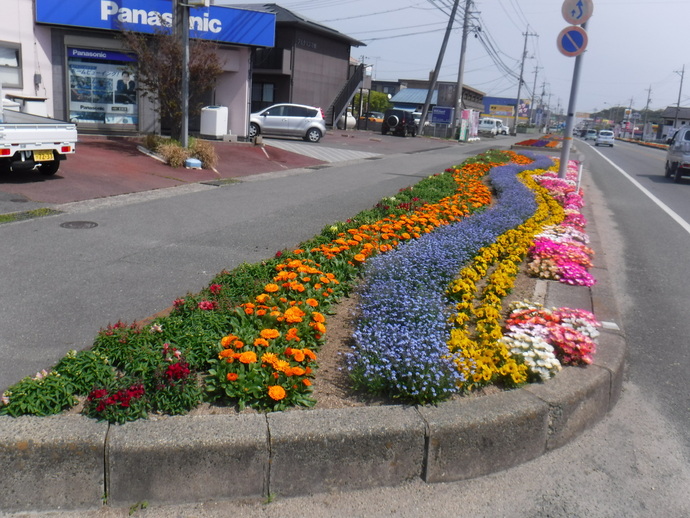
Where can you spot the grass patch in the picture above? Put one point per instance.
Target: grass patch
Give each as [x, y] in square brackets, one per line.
[29, 214]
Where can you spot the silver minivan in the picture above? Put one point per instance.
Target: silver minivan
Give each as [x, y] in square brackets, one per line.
[678, 155]
[295, 120]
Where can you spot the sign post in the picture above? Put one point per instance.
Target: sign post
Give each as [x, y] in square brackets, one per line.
[572, 41]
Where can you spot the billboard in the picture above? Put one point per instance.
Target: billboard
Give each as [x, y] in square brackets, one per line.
[502, 110]
[222, 24]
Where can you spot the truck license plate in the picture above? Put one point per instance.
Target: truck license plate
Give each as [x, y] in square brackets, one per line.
[43, 155]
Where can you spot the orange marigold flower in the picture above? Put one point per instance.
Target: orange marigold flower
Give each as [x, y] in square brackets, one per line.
[306, 382]
[292, 335]
[260, 342]
[261, 299]
[360, 258]
[248, 357]
[269, 334]
[319, 327]
[309, 353]
[281, 365]
[312, 302]
[227, 341]
[298, 355]
[248, 310]
[269, 358]
[276, 392]
[225, 353]
[298, 371]
[294, 314]
[238, 344]
[317, 317]
[260, 312]
[232, 376]
[271, 288]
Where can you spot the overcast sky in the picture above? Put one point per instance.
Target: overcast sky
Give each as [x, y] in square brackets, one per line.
[634, 46]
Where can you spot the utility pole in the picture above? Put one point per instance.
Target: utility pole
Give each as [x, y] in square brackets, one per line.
[461, 66]
[680, 90]
[534, 92]
[439, 60]
[520, 81]
[181, 17]
[646, 111]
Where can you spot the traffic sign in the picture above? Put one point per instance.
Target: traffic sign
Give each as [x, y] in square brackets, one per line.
[572, 41]
[577, 12]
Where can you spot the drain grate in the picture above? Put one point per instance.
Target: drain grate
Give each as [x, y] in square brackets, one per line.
[79, 224]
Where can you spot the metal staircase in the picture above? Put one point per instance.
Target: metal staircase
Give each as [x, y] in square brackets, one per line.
[344, 98]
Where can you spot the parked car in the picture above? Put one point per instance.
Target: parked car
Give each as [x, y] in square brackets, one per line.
[678, 155]
[492, 127]
[296, 120]
[591, 135]
[604, 138]
[399, 122]
[372, 117]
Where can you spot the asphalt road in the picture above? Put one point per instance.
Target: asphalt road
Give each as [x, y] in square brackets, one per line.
[632, 464]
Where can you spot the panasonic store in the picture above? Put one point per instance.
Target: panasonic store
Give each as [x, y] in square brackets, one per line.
[98, 85]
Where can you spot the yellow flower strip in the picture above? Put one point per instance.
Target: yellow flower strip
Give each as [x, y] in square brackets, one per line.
[478, 319]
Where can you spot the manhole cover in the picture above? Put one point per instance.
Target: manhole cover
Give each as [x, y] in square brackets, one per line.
[78, 224]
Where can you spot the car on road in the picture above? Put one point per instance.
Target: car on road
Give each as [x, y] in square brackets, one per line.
[591, 134]
[293, 120]
[604, 138]
[492, 126]
[372, 117]
[399, 122]
[678, 155]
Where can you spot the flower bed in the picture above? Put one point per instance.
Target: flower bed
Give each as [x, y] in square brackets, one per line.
[253, 335]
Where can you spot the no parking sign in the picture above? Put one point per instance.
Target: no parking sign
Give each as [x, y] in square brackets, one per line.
[572, 41]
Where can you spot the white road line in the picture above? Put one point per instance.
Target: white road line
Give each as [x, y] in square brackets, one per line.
[661, 204]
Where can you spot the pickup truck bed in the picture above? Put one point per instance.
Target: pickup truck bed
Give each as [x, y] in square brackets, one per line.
[30, 141]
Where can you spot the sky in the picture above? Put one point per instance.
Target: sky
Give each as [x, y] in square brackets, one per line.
[636, 49]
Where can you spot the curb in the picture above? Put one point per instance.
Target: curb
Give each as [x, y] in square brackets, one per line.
[71, 462]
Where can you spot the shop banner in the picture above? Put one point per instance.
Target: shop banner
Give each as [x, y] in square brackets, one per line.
[214, 23]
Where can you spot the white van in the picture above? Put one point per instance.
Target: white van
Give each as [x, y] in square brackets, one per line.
[492, 126]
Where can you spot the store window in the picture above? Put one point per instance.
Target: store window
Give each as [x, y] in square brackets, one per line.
[10, 65]
[102, 87]
[262, 95]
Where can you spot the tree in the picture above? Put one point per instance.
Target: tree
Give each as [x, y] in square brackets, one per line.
[378, 102]
[159, 72]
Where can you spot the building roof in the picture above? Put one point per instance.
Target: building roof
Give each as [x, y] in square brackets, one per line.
[670, 112]
[414, 96]
[286, 17]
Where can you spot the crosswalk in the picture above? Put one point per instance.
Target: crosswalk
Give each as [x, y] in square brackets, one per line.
[319, 152]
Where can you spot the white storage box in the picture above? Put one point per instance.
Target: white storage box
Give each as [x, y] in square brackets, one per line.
[214, 121]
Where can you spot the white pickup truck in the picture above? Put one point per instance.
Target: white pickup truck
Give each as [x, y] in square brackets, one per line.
[30, 142]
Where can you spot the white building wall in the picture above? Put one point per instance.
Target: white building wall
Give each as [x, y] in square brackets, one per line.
[17, 26]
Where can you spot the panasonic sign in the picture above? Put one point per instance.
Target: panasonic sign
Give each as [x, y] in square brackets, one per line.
[215, 23]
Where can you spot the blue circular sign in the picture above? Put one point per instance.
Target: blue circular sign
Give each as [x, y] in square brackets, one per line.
[572, 41]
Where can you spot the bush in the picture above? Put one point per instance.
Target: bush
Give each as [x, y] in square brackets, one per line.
[173, 154]
[204, 151]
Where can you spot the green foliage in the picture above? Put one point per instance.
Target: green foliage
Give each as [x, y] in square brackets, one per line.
[85, 370]
[47, 393]
[373, 102]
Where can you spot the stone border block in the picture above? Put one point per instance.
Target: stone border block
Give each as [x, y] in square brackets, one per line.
[610, 355]
[473, 437]
[187, 459]
[50, 463]
[577, 397]
[344, 449]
